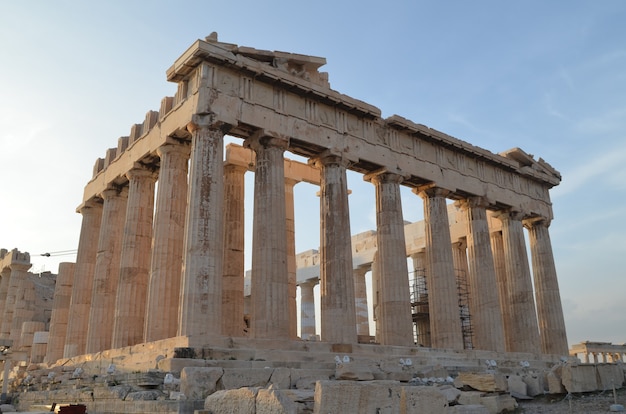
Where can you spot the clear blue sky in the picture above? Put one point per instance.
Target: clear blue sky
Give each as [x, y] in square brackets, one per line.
[548, 77]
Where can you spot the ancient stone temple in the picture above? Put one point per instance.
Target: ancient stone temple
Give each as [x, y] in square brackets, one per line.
[160, 264]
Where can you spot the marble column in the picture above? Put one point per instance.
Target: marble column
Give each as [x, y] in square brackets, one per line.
[82, 283]
[24, 310]
[291, 255]
[549, 309]
[106, 271]
[376, 297]
[420, 298]
[443, 298]
[338, 315]
[132, 290]
[484, 299]
[520, 300]
[5, 276]
[307, 310]
[7, 289]
[234, 235]
[201, 288]
[161, 320]
[499, 264]
[270, 279]
[459, 258]
[360, 302]
[396, 325]
[60, 312]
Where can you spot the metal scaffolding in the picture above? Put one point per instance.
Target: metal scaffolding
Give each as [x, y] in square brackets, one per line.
[421, 314]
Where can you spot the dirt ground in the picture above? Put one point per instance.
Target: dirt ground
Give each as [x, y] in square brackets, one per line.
[587, 403]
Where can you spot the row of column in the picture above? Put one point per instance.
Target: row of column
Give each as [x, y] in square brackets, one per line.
[137, 271]
[607, 357]
[18, 301]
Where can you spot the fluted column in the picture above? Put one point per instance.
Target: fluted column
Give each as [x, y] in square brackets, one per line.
[106, 272]
[201, 288]
[5, 276]
[234, 267]
[549, 309]
[60, 312]
[23, 310]
[484, 297]
[396, 326]
[76, 337]
[360, 301]
[338, 315]
[132, 291]
[523, 316]
[291, 255]
[420, 298]
[270, 279]
[443, 298]
[376, 297]
[14, 273]
[161, 320]
[7, 290]
[307, 310]
[459, 258]
[499, 264]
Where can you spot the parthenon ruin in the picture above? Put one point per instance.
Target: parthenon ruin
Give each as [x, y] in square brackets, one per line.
[279, 102]
[161, 249]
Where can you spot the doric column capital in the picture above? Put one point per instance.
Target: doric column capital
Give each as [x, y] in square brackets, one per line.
[472, 202]
[383, 175]
[509, 214]
[110, 192]
[431, 191]
[265, 139]
[329, 157]
[182, 148]
[89, 205]
[138, 173]
[235, 168]
[536, 221]
[309, 284]
[362, 270]
[460, 243]
[199, 121]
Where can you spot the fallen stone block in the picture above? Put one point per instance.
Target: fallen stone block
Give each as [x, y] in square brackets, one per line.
[197, 383]
[579, 378]
[241, 401]
[534, 384]
[234, 378]
[147, 395]
[609, 376]
[450, 393]
[517, 386]
[470, 397]
[498, 403]
[357, 396]
[422, 400]
[273, 401]
[487, 382]
[354, 371]
[281, 378]
[555, 381]
[306, 378]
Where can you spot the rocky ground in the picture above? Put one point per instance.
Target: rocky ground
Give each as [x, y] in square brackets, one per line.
[587, 403]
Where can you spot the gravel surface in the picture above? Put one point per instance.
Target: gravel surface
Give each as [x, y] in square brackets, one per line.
[587, 403]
